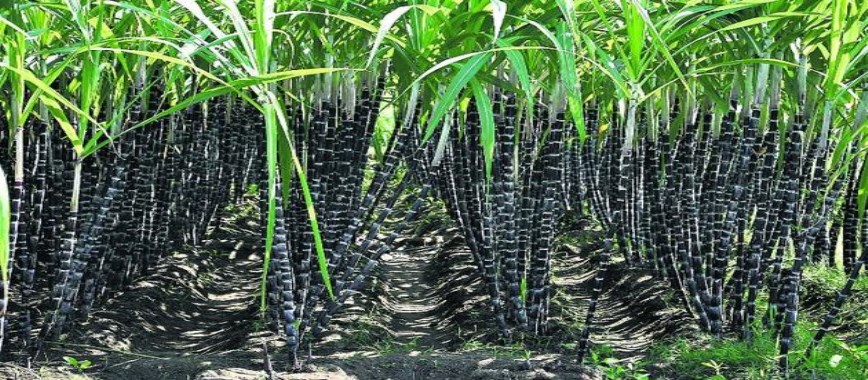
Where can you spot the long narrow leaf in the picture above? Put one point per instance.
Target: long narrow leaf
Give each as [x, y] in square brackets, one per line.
[486, 118]
[445, 102]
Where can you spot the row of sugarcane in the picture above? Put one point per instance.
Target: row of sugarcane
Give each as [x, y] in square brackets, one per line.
[306, 288]
[718, 203]
[160, 187]
[84, 229]
[506, 216]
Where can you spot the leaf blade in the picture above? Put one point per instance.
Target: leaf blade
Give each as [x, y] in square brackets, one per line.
[467, 72]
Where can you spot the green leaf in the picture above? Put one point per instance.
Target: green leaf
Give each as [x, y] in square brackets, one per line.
[12, 25]
[197, 12]
[568, 9]
[160, 57]
[516, 61]
[762, 19]
[636, 37]
[607, 66]
[235, 86]
[838, 58]
[52, 94]
[545, 31]
[459, 58]
[264, 33]
[49, 78]
[388, 21]
[351, 20]
[660, 45]
[240, 25]
[56, 112]
[519, 66]
[445, 102]
[486, 118]
[285, 167]
[569, 77]
[193, 7]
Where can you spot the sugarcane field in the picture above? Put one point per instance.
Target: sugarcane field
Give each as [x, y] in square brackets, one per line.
[433, 189]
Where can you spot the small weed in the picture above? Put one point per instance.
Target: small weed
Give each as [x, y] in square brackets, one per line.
[612, 368]
[258, 324]
[412, 345]
[472, 345]
[384, 347]
[252, 190]
[79, 365]
[717, 367]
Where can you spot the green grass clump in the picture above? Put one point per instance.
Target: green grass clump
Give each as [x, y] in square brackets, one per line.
[758, 359]
[827, 280]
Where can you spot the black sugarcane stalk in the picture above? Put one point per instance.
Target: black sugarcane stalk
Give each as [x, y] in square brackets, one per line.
[846, 290]
[508, 212]
[541, 271]
[16, 223]
[789, 197]
[335, 305]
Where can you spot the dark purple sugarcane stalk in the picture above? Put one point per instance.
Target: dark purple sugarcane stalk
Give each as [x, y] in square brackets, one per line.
[846, 290]
[592, 166]
[753, 262]
[807, 236]
[667, 206]
[17, 222]
[691, 261]
[508, 212]
[541, 268]
[284, 280]
[789, 193]
[850, 219]
[334, 306]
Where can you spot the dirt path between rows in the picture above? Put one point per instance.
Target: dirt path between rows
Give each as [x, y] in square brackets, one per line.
[412, 301]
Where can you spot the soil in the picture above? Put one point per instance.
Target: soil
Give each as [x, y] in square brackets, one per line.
[423, 317]
[412, 301]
